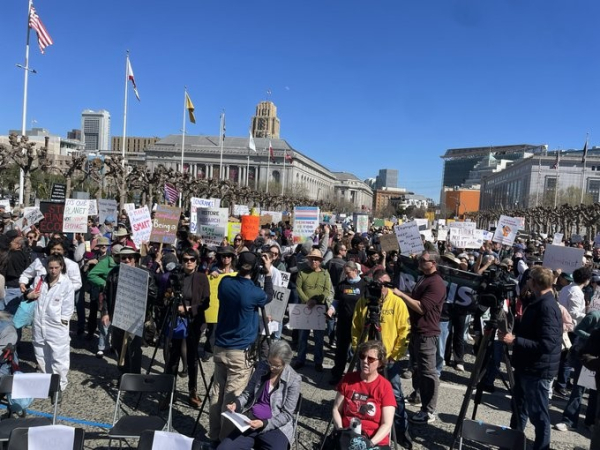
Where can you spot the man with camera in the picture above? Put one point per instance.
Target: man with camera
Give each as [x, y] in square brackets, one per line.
[236, 334]
[392, 317]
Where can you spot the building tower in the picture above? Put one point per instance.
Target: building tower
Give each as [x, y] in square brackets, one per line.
[265, 124]
[386, 178]
[95, 130]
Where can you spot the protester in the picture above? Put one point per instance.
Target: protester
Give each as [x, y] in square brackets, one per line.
[270, 400]
[16, 262]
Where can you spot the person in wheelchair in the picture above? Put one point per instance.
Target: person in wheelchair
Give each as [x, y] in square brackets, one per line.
[367, 396]
[269, 400]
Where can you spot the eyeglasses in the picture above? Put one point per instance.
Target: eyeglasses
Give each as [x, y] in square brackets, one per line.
[274, 254]
[273, 366]
[370, 359]
[189, 259]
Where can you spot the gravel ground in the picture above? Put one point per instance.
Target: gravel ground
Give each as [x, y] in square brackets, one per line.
[91, 394]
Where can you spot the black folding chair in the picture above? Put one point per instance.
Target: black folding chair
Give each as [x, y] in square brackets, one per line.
[19, 439]
[296, 419]
[147, 440]
[484, 433]
[132, 426]
[8, 425]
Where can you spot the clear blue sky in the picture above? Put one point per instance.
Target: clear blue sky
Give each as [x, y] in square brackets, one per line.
[359, 85]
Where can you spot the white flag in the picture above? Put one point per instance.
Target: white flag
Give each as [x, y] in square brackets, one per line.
[251, 144]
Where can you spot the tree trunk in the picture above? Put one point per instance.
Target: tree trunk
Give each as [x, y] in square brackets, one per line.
[27, 188]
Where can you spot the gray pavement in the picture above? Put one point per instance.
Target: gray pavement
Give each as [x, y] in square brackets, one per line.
[92, 389]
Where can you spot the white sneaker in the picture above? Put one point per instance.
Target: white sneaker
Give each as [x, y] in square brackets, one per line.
[460, 368]
[561, 426]
[422, 418]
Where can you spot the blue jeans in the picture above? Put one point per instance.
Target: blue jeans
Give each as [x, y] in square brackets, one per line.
[400, 416]
[303, 345]
[439, 360]
[12, 299]
[530, 401]
[570, 415]
[103, 334]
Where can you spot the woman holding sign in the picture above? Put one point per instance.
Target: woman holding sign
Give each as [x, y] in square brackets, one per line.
[54, 295]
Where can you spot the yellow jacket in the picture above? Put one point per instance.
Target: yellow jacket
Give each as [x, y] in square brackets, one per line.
[395, 324]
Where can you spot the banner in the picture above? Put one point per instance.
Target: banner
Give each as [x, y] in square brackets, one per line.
[53, 217]
[306, 221]
[75, 216]
[141, 225]
[106, 207]
[507, 229]
[409, 238]
[566, 258]
[131, 299]
[164, 224]
[196, 203]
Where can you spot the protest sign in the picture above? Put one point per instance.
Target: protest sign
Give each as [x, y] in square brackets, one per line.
[378, 223]
[250, 226]
[466, 238]
[327, 217]
[196, 203]
[211, 235]
[558, 237]
[576, 238]
[461, 225]
[487, 235]
[361, 223]
[507, 229]
[130, 301]
[442, 235]
[587, 378]
[93, 207]
[427, 235]
[129, 207]
[306, 221]
[141, 225]
[106, 207]
[59, 192]
[30, 217]
[276, 308]
[276, 216]
[233, 229]
[164, 224]
[388, 243]
[565, 258]
[212, 313]
[75, 216]
[212, 225]
[241, 210]
[265, 220]
[304, 318]
[409, 238]
[521, 222]
[53, 217]
[285, 278]
[6, 203]
[423, 224]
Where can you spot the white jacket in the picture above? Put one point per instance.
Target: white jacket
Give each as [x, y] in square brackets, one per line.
[53, 306]
[37, 269]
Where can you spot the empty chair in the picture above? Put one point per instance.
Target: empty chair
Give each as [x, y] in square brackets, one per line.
[20, 437]
[484, 433]
[132, 426]
[155, 440]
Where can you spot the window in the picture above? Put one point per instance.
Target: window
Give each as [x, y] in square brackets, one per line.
[593, 188]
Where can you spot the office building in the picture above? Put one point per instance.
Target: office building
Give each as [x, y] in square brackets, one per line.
[132, 144]
[95, 130]
[387, 178]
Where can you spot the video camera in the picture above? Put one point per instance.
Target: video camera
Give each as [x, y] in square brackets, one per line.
[374, 288]
[495, 287]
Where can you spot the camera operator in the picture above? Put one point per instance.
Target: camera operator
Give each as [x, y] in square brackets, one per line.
[236, 334]
[536, 357]
[394, 320]
[195, 296]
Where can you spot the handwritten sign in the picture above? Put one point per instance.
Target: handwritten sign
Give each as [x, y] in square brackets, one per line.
[388, 243]
[211, 236]
[304, 318]
[164, 224]
[53, 217]
[30, 217]
[130, 301]
[196, 203]
[241, 210]
[129, 207]
[276, 308]
[93, 207]
[409, 238]
[306, 221]
[212, 225]
[587, 378]
[566, 258]
[75, 216]
[141, 225]
[466, 237]
[507, 229]
[250, 226]
[276, 216]
[285, 278]
[558, 237]
[233, 229]
[106, 207]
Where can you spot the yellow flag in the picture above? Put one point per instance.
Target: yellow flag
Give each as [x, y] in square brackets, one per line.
[190, 107]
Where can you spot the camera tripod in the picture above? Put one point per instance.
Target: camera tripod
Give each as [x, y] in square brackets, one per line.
[371, 331]
[485, 352]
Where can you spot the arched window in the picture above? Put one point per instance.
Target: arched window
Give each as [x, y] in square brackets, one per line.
[276, 176]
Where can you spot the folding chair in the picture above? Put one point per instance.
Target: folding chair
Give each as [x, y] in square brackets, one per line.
[132, 426]
[147, 441]
[296, 419]
[19, 439]
[7, 425]
[484, 433]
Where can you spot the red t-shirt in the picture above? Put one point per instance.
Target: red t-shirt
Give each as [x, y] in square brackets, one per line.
[365, 402]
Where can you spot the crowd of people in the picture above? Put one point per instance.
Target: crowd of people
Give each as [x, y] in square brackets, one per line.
[218, 294]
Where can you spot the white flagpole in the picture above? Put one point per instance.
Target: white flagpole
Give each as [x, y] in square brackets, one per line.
[24, 117]
[583, 170]
[125, 109]
[221, 171]
[248, 170]
[537, 190]
[183, 138]
[557, 178]
[268, 168]
[283, 175]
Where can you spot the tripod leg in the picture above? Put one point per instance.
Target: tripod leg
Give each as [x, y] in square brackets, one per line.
[202, 406]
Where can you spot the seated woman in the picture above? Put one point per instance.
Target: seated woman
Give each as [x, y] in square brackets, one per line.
[367, 396]
[269, 401]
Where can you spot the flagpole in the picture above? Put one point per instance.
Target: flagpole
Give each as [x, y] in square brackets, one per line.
[557, 178]
[268, 169]
[248, 170]
[25, 87]
[183, 140]
[537, 191]
[125, 109]
[221, 172]
[583, 170]
[283, 175]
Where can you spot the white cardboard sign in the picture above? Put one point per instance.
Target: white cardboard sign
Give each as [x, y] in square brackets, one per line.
[566, 258]
[141, 225]
[75, 216]
[106, 207]
[507, 229]
[557, 240]
[409, 238]
[304, 318]
[587, 378]
[130, 301]
[196, 203]
[276, 307]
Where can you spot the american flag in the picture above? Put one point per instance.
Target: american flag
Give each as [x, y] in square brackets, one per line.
[288, 155]
[271, 154]
[171, 194]
[44, 39]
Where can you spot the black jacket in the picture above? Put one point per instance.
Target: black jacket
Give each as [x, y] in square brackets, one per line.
[107, 306]
[538, 343]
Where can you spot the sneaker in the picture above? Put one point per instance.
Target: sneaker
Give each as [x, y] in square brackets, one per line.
[414, 399]
[561, 391]
[422, 418]
[99, 354]
[319, 367]
[561, 426]
[459, 368]
[404, 440]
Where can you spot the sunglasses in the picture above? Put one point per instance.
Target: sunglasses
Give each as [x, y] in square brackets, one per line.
[274, 254]
[189, 259]
[127, 257]
[236, 239]
[370, 359]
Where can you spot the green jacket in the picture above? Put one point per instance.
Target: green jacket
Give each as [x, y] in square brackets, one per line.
[315, 285]
[97, 276]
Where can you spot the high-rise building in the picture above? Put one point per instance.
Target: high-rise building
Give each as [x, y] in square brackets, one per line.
[265, 124]
[95, 130]
[132, 144]
[74, 134]
[387, 178]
